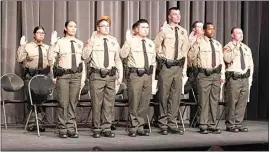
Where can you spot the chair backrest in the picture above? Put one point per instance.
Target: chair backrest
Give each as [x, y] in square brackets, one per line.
[11, 82]
[41, 85]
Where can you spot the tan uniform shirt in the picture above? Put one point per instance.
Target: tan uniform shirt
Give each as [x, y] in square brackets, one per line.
[95, 50]
[165, 44]
[200, 54]
[133, 51]
[62, 49]
[231, 54]
[29, 55]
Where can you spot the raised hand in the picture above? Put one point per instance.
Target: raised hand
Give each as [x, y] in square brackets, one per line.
[53, 38]
[128, 35]
[23, 41]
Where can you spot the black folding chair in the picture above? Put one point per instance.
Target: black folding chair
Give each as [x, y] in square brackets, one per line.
[11, 83]
[188, 103]
[85, 99]
[39, 85]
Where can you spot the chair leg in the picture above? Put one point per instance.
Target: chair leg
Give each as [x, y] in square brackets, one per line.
[195, 116]
[76, 127]
[4, 111]
[37, 123]
[27, 121]
[221, 116]
[149, 123]
[127, 122]
[88, 116]
[182, 122]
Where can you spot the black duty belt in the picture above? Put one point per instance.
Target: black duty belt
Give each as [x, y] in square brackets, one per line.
[235, 76]
[208, 72]
[141, 71]
[170, 63]
[104, 72]
[59, 71]
[33, 71]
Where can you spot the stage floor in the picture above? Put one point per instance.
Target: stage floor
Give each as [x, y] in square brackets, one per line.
[14, 139]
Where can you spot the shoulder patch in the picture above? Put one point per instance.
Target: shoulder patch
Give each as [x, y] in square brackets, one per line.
[79, 46]
[225, 49]
[182, 32]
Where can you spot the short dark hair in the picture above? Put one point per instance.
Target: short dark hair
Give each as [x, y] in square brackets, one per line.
[141, 21]
[236, 27]
[38, 28]
[99, 21]
[66, 24]
[194, 23]
[134, 25]
[207, 23]
[172, 8]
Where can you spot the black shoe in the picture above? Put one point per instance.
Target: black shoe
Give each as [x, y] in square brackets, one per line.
[42, 129]
[96, 135]
[163, 132]
[132, 134]
[203, 131]
[31, 128]
[242, 129]
[176, 131]
[143, 133]
[113, 127]
[214, 130]
[108, 134]
[63, 135]
[232, 129]
[72, 134]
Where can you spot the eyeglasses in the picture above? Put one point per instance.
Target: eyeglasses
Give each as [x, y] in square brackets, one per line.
[104, 26]
[41, 33]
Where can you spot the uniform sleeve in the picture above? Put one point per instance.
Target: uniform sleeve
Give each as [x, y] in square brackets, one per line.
[53, 52]
[185, 49]
[118, 64]
[87, 50]
[154, 63]
[158, 44]
[125, 50]
[83, 74]
[251, 67]
[228, 54]
[21, 53]
[193, 52]
[223, 65]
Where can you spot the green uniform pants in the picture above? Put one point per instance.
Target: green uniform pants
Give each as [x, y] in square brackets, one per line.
[102, 91]
[237, 91]
[170, 85]
[139, 92]
[68, 87]
[208, 94]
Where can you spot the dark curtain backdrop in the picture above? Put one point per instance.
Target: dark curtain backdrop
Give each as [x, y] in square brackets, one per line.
[19, 18]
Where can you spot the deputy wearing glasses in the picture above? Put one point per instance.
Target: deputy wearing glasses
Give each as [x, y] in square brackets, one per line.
[33, 56]
[105, 69]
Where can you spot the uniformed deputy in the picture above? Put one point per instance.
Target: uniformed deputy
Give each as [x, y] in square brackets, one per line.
[206, 54]
[141, 62]
[106, 68]
[197, 32]
[67, 70]
[33, 55]
[172, 46]
[239, 73]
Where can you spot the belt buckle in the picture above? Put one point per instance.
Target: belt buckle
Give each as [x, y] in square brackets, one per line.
[208, 72]
[169, 63]
[104, 72]
[140, 72]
